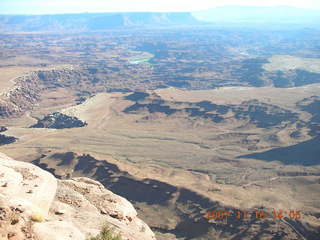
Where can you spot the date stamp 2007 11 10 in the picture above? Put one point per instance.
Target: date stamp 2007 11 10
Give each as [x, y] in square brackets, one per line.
[258, 213]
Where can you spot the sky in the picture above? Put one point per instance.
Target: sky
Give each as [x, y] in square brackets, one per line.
[76, 6]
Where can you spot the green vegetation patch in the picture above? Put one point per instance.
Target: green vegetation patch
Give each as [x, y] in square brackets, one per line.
[107, 233]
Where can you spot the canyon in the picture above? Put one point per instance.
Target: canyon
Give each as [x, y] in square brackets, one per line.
[178, 123]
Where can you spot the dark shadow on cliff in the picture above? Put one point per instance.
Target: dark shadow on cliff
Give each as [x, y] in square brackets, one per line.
[305, 153]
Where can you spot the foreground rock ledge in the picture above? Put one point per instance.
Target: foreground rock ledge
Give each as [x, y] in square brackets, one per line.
[36, 205]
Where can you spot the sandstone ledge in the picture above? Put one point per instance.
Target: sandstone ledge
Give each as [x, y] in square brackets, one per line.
[35, 205]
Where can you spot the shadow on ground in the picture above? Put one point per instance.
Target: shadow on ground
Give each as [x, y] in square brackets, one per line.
[305, 153]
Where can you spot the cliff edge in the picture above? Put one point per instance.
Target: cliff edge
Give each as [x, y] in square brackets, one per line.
[36, 205]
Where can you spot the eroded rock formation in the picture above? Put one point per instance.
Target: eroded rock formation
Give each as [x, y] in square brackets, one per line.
[22, 96]
[58, 120]
[35, 205]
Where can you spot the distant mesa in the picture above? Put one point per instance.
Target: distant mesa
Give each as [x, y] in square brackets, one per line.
[59, 121]
[93, 21]
[104, 21]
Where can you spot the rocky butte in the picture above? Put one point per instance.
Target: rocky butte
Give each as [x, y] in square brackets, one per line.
[36, 205]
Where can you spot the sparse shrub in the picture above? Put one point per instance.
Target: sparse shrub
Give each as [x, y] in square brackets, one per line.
[106, 233]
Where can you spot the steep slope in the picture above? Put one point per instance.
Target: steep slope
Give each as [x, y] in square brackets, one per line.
[30, 88]
[22, 96]
[35, 205]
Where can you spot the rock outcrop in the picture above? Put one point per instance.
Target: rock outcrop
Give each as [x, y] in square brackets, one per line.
[36, 205]
[21, 97]
[29, 89]
[58, 120]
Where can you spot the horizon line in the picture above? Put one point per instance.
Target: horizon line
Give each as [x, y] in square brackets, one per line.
[151, 11]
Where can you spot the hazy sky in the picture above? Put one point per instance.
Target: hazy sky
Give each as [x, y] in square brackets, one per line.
[73, 6]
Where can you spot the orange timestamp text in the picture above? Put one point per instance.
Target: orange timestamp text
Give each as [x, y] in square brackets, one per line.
[257, 213]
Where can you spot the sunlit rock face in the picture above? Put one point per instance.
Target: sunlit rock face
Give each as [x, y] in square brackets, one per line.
[36, 205]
